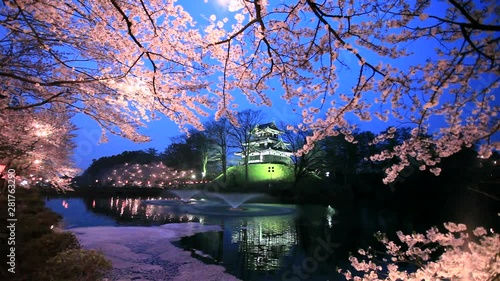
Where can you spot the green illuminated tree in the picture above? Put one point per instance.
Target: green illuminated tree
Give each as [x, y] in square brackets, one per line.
[312, 163]
[240, 134]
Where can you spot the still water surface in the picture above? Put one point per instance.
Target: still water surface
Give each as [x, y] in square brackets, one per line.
[307, 244]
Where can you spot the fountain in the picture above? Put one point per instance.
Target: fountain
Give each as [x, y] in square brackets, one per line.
[235, 200]
[185, 195]
[234, 204]
[220, 205]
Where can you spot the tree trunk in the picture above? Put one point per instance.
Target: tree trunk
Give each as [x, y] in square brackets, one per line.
[204, 162]
[246, 168]
[224, 168]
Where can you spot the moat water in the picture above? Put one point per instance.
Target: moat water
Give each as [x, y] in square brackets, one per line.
[304, 242]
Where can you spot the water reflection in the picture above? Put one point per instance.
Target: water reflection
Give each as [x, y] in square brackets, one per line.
[264, 240]
[329, 215]
[266, 247]
[253, 247]
[248, 244]
[133, 211]
[262, 248]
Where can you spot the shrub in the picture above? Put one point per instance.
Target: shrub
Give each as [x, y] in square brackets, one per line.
[37, 251]
[76, 265]
[32, 226]
[41, 253]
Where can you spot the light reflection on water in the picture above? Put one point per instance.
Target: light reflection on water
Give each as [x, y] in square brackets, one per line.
[262, 248]
[252, 248]
[80, 212]
[252, 244]
[264, 240]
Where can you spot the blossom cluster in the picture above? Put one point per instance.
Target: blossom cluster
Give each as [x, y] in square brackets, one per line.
[145, 175]
[453, 255]
[38, 144]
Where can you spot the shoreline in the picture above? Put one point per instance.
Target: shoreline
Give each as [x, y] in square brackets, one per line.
[148, 253]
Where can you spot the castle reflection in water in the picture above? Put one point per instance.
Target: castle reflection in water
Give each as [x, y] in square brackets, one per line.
[265, 240]
[261, 242]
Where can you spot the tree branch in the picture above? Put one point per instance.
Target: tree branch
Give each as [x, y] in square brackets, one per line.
[50, 99]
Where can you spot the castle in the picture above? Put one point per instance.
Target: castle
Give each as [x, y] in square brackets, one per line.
[265, 146]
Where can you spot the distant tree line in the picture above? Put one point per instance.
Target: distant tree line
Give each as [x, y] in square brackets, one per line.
[336, 160]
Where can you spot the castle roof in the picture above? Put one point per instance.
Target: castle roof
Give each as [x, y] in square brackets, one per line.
[282, 146]
[270, 125]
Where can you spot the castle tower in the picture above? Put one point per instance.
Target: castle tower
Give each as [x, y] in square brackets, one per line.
[266, 147]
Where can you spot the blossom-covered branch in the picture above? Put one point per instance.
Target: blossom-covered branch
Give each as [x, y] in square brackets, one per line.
[416, 63]
[317, 48]
[460, 256]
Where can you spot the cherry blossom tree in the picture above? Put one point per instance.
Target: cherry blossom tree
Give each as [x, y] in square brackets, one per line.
[120, 62]
[414, 62]
[461, 255]
[148, 175]
[125, 62]
[38, 144]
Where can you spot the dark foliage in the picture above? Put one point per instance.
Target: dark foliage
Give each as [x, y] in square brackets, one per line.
[41, 253]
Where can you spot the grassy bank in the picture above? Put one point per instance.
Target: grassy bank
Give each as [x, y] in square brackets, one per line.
[38, 251]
